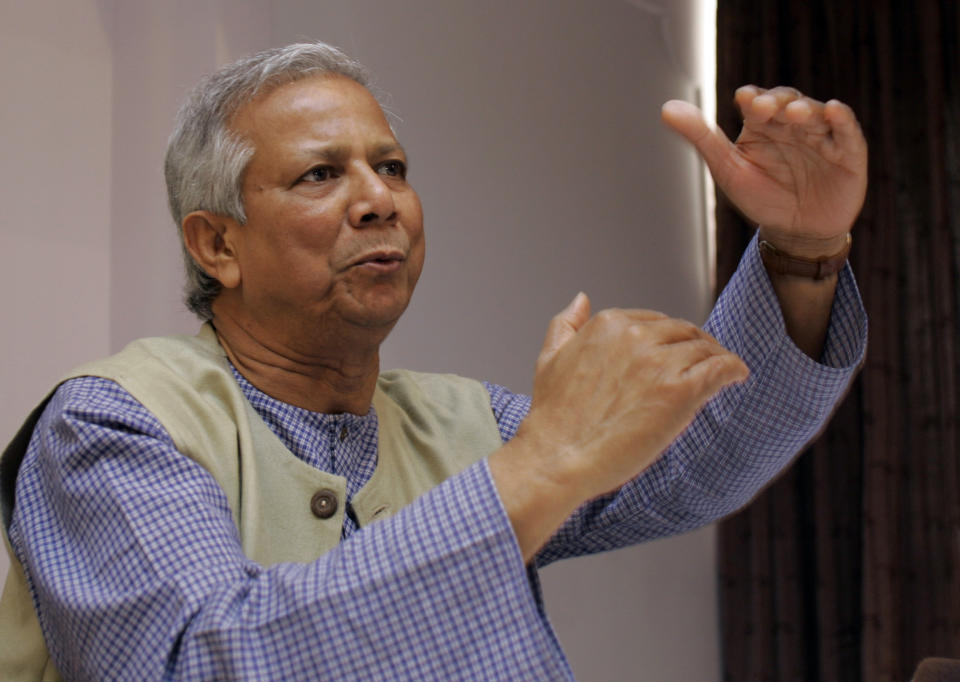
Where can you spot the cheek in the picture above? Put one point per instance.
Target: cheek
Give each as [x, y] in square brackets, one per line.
[294, 235]
[416, 265]
[417, 248]
[287, 253]
[412, 214]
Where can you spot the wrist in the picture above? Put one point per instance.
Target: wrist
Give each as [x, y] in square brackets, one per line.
[535, 502]
[548, 462]
[801, 246]
[810, 259]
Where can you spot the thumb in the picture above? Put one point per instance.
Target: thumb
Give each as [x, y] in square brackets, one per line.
[711, 143]
[564, 326]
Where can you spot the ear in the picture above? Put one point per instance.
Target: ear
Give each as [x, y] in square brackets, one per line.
[210, 240]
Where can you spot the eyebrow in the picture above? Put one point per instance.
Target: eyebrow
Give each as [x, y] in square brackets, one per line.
[390, 148]
[336, 151]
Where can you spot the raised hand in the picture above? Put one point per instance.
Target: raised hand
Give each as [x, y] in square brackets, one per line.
[798, 167]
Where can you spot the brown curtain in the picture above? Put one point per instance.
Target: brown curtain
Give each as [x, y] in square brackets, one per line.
[848, 567]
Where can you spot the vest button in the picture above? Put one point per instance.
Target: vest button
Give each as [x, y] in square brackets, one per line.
[323, 504]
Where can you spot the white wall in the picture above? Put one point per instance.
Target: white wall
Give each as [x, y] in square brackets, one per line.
[161, 49]
[534, 135]
[55, 119]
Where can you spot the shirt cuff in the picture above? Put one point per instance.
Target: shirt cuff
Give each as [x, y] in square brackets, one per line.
[748, 320]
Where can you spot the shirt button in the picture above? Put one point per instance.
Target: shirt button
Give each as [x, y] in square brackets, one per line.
[323, 504]
[343, 434]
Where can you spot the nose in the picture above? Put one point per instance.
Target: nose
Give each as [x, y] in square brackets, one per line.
[371, 201]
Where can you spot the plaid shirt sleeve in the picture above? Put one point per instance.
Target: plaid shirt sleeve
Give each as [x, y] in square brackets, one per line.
[138, 573]
[742, 439]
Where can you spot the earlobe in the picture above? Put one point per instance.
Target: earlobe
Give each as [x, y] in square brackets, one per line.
[209, 239]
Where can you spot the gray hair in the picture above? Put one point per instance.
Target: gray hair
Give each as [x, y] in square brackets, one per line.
[205, 160]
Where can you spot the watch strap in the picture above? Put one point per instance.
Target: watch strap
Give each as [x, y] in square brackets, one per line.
[784, 263]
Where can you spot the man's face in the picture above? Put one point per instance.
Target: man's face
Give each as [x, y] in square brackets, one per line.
[334, 232]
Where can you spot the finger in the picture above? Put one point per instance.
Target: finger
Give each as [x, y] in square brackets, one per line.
[805, 122]
[718, 372]
[627, 316]
[744, 96]
[564, 326]
[668, 331]
[846, 131]
[713, 368]
[758, 107]
[770, 105]
[804, 111]
[710, 142]
[786, 111]
[683, 354]
[783, 95]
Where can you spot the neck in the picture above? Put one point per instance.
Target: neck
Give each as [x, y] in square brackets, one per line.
[332, 377]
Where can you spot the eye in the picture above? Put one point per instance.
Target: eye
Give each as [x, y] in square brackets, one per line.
[318, 174]
[394, 168]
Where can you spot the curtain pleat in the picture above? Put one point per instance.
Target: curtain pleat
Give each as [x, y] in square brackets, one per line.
[848, 567]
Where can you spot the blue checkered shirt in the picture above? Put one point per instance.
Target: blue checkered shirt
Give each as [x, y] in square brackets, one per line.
[137, 571]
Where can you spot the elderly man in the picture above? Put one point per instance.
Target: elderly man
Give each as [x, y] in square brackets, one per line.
[260, 501]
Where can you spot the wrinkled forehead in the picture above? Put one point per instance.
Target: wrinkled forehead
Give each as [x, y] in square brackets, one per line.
[303, 122]
[323, 96]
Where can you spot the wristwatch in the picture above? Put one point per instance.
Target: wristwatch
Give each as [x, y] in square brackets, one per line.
[784, 263]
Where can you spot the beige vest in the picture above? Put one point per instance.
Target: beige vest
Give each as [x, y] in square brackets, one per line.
[430, 428]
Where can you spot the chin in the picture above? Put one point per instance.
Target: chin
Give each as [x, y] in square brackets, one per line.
[383, 314]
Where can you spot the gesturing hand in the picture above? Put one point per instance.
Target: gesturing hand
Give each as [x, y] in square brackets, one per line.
[798, 167]
[613, 391]
[610, 393]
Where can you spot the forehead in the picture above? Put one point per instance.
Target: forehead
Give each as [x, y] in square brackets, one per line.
[320, 107]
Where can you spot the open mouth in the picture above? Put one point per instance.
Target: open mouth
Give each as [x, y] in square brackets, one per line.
[382, 260]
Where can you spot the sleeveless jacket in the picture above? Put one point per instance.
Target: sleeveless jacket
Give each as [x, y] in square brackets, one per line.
[431, 426]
